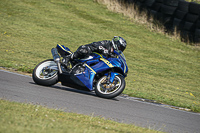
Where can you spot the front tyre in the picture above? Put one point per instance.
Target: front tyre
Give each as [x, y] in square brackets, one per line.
[106, 89]
[43, 75]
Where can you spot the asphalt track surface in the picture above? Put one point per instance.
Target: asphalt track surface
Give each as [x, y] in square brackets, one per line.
[21, 88]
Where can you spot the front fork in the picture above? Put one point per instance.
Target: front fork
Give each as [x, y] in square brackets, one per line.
[111, 76]
[56, 58]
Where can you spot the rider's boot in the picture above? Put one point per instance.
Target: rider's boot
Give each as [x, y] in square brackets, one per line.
[66, 59]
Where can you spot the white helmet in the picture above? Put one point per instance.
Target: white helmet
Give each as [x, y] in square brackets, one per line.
[119, 43]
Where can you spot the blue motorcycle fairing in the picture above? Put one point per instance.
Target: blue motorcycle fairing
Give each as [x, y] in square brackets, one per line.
[119, 63]
[101, 65]
[98, 63]
[87, 77]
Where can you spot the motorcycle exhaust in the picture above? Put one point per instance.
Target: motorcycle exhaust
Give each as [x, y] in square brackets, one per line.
[56, 58]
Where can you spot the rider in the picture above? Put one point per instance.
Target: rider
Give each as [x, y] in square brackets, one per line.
[105, 47]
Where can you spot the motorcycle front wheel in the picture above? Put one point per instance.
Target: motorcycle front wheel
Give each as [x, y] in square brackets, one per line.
[43, 75]
[109, 90]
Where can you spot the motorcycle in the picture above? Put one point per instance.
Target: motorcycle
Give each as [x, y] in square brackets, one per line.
[104, 75]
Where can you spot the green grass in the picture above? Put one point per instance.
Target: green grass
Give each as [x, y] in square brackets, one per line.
[160, 68]
[18, 117]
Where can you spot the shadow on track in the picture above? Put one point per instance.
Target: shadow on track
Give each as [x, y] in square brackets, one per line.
[65, 88]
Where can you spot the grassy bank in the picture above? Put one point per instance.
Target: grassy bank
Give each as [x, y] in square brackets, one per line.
[160, 68]
[17, 117]
[197, 1]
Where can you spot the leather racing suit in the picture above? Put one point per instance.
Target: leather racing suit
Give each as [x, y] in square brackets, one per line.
[102, 47]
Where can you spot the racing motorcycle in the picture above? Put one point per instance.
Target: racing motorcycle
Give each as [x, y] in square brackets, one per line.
[104, 75]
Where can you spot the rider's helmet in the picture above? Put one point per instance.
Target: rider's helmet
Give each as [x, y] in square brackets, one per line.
[119, 43]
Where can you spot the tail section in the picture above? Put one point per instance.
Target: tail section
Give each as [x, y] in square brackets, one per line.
[63, 51]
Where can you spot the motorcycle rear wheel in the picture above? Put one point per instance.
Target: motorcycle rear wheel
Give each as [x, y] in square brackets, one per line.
[110, 90]
[43, 77]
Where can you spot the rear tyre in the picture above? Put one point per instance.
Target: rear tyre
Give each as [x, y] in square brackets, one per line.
[194, 8]
[171, 2]
[44, 76]
[168, 9]
[183, 6]
[180, 14]
[110, 90]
